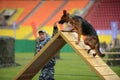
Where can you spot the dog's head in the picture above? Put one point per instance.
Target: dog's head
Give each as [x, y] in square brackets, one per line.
[65, 17]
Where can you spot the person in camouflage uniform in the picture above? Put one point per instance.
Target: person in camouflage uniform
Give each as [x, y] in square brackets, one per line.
[47, 72]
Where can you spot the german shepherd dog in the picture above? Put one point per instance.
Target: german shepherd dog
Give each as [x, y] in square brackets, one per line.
[82, 27]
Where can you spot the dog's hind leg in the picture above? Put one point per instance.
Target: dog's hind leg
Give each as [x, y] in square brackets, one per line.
[97, 48]
[92, 51]
[91, 42]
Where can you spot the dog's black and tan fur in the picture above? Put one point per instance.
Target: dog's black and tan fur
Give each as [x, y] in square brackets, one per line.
[82, 27]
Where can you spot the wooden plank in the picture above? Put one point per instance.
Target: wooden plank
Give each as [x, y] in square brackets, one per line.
[41, 58]
[70, 36]
[105, 70]
[96, 63]
[105, 73]
[81, 45]
[77, 46]
[84, 54]
[111, 77]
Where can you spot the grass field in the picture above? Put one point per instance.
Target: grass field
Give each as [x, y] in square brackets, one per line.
[69, 67]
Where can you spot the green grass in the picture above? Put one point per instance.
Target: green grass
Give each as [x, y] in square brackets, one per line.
[69, 67]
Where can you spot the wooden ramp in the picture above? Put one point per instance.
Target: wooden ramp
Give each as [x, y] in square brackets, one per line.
[51, 48]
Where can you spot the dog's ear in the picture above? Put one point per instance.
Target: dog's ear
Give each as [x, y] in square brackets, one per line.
[64, 12]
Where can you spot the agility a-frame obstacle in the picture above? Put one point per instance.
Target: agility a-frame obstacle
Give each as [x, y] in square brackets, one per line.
[51, 48]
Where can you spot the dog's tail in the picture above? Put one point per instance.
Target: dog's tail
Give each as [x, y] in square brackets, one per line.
[97, 48]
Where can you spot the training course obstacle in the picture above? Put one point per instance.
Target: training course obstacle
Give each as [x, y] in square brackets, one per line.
[54, 45]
